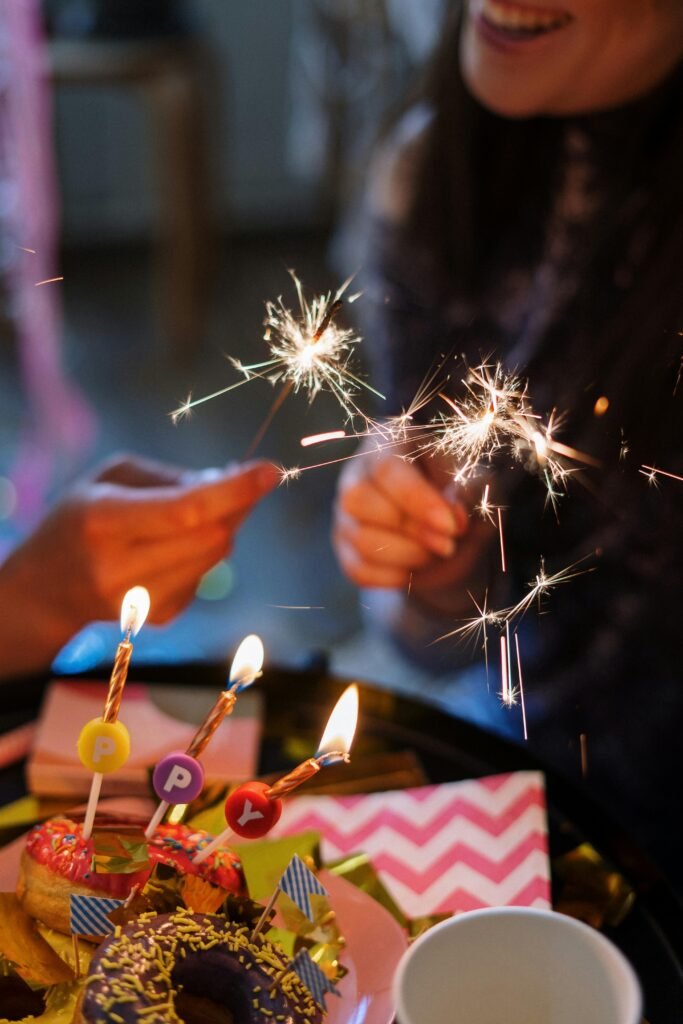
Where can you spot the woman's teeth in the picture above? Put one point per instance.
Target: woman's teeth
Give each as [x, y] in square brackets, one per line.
[522, 20]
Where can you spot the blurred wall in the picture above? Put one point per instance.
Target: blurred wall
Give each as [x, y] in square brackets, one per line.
[103, 144]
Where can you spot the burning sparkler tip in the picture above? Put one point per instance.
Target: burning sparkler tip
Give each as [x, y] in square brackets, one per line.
[287, 475]
[182, 411]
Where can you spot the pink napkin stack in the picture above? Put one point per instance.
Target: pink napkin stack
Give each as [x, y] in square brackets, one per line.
[447, 848]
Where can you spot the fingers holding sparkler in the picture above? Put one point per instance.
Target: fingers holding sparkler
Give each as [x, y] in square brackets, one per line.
[391, 520]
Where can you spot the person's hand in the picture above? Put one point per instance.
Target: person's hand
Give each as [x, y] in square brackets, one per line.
[132, 522]
[390, 521]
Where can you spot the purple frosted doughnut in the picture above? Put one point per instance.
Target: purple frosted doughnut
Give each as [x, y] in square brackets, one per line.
[171, 968]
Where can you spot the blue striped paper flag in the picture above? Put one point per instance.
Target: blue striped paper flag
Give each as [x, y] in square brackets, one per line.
[298, 882]
[89, 914]
[315, 980]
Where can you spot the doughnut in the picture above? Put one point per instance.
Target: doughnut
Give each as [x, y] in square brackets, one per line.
[56, 862]
[186, 968]
[20, 1004]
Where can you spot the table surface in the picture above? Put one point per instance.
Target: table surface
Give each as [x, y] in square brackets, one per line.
[297, 704]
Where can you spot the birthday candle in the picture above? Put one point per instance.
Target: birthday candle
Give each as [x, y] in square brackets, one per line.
[333, 748]
[252, 809]
[179, 777]
[104, 743]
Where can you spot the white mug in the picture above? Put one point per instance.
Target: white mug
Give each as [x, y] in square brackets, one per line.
[515, 965]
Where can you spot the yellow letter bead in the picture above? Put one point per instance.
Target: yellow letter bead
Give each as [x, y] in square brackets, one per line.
[103, 746]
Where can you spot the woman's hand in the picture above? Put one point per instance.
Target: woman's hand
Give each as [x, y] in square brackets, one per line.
[132, 522]
[390, 521]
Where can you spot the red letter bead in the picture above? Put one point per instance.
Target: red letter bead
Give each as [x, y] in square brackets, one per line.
[249, 812]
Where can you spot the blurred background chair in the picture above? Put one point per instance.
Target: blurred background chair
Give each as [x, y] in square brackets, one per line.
[168, 75]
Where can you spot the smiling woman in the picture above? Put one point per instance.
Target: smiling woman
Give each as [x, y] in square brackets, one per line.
[569, 57]
[530, 209]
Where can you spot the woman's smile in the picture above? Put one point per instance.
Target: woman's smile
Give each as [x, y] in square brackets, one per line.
[512, 27]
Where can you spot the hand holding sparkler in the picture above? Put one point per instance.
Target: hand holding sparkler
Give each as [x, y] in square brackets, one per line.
[131, 519]
[391, 521]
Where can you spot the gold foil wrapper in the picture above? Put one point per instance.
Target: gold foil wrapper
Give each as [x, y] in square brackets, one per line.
[417, 926]
[164, 889]
[201, 896]
[162, 893]
[134, 906]
[119, 850]
[589, 889]
[167, 889]
[322, 936]
[244, 910]
[263, 864]
[207, 812]
[25, 950]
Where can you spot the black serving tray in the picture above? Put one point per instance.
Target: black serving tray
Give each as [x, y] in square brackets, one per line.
[297, 703]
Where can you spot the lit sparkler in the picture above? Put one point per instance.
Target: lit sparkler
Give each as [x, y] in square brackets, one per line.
[481, 423]
[308, 351]
[496, 415]
[476, 628]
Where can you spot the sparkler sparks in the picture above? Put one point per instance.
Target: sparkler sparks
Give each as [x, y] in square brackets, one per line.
[48, 280]
[651, 473]
[623, 447]
[482, 422]
[287, 475]
[521, 687]
[495, 415]
[308, 351]
[476, 628]
[542, 585]
[485, 508]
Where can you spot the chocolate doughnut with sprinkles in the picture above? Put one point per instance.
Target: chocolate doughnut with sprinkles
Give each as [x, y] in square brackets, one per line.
[186, 968]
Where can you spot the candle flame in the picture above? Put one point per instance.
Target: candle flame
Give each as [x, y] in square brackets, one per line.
[134, 610]
[341, 725]
[247, 663]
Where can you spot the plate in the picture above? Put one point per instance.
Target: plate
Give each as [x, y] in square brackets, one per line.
[375, 944]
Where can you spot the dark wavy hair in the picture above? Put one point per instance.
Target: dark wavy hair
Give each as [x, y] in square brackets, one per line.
[483, 180]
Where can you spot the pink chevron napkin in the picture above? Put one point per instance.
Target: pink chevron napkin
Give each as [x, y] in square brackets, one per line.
[447, 848]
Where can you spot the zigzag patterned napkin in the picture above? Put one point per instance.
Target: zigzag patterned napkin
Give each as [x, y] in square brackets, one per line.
[447, 848]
